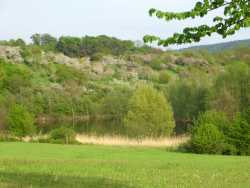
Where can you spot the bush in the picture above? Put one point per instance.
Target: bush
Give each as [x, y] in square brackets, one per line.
[207, 138]
[63, 135]
[239, 134]
[228, 149]
[164, 77]
[214, 134]
[20, 121]
[96, 57]
[219, 119]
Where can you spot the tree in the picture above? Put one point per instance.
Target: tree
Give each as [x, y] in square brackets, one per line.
[48, 42]
[63, 135]
[207, 138]
[115, 104]
[239, 133]
[149, 114]
[219, 119]
[236, 16]
[231, 92]
[36, 39]
[70, 46]
[20, 122]
[188, 98]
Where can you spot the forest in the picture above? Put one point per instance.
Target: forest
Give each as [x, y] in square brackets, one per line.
[107, 86]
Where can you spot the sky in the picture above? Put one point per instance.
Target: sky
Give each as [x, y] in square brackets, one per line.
[125, 19]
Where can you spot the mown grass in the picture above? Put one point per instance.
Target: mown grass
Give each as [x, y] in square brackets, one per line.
[90, 166]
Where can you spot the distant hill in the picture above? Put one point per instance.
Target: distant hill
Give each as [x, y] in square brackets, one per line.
[221, 46]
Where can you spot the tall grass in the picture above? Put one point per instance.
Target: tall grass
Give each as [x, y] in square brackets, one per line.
[125, 141]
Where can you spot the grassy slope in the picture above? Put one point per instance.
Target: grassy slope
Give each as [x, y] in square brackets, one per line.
[44, 165]
[220, 47]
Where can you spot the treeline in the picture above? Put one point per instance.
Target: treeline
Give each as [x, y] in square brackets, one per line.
[93, 47]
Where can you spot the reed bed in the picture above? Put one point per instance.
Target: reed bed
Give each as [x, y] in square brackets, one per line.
[124, 141]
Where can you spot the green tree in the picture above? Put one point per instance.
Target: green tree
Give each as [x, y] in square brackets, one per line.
[207, 138]
[219, 119]
[36, 39]
[231, 92]
[236, 16]
[189, 99]
[16, 77]
[239, 133]
[63, 135]
[70, 46]
[115, 104]
[48, 42]
[20, 122]
[149, 114]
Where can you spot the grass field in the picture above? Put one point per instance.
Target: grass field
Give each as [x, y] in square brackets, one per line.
[90, 166]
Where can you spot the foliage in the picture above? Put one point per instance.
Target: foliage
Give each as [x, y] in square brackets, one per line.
[70, 46]
[219, 119]
[92, 46]
[20, 122]
[63, 134]
[236, 16]
[65, 74]
[239, 133]
[115, 105]
[188, 98]
[206, 138]
[232, 90]
[234, 136]
[46, 41]
[15, 77]
[150, 114]
[164, 77]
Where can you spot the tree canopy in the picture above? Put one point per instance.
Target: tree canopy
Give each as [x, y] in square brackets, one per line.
[236, 15]
[150, 113]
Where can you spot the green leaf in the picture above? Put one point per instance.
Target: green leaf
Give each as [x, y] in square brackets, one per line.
[247, 22]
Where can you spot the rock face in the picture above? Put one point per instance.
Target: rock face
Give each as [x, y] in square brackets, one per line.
[98, 68]
[190, 61]
[11, 53]
[59, 59]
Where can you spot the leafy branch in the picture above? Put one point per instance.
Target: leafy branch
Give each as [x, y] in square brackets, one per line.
[236, 16]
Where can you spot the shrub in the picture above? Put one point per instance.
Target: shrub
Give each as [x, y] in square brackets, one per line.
[239, 134]
[150, 114]
[219, 119]
[96, 57]
[207, 138]
[214, 134]
[164, 77]
[20, 121]
[63, 135]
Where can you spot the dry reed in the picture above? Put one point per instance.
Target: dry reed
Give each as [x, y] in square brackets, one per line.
[123, 141]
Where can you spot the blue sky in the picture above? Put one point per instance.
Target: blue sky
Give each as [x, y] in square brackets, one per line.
[125, 19]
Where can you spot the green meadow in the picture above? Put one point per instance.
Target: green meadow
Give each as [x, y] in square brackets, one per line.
[46, 165]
